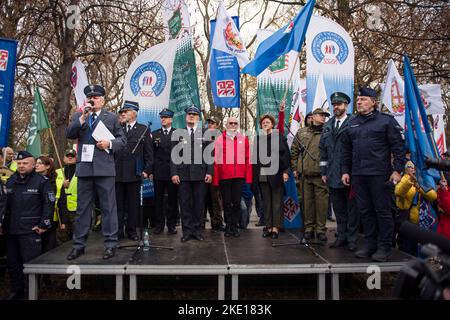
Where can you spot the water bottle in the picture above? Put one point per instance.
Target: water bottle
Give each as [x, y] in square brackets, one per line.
[146, 240]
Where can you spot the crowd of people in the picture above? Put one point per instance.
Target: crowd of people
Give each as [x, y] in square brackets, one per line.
[356, 166]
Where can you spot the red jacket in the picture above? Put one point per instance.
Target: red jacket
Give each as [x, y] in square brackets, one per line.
[232, 158]
[444, 219]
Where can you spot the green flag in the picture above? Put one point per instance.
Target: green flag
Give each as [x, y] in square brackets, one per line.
[38, 122]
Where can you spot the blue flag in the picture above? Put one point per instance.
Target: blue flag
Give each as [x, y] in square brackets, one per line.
[288, 38]
[419, 137]
[292, 217]
[8, 50]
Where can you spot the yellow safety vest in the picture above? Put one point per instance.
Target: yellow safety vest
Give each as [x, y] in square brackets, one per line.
[13, 166]
[71, 191]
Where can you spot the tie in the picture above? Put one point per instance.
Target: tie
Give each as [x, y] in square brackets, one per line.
[165, 132]
[192, 131]
[129, 128]
[94, 117]
[337, 125]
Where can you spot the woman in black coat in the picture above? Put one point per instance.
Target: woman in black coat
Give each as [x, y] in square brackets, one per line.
[271, 175]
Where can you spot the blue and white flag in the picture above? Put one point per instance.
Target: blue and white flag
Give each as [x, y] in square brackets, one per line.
[288, 38]
[227, 37]
[224, 74]
[292, 217]
[419, 136]
[8, 51]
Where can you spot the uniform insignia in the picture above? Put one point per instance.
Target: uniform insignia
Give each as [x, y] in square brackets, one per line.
[51, 197]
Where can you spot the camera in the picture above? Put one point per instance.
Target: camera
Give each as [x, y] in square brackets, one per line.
[423, 279]
[438, 163]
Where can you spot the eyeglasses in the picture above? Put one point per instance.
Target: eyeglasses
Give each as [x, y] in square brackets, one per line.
[233, 123]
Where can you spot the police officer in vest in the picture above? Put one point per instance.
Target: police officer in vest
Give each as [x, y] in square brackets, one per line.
[133, 163]
[373, 156]
[96, 170]
[161, 176]
[29, 212]
[191, 172]
[330, 167]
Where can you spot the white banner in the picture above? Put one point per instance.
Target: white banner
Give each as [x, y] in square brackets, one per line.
[227, 37]
[439, 132]
[176, 19]
[330, 52]
[321, 98]
[148, 80]
[298, 111]
[78, 81]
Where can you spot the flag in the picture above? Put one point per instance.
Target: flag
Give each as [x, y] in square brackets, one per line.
[392, 95]
[419, 137]
[227, 37]
[292, 217]
[431, 97]
[439, 132]
[298, 111]
[176, 19]
[79, 81]
[288, 38]
[321, 97]
[148, 80]
[38, 122]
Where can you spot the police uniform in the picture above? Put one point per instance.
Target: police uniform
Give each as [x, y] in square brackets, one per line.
[30, 204]
[161, 177]
[372, 148]
[95, 174]
[192, 187]
[129, 167]
[330, 166]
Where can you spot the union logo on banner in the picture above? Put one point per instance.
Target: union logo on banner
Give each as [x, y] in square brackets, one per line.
[3, 60]
[148, 80]
[226, 88]
[74, 77]
[398, 103]
[233, 41]
[329, 48]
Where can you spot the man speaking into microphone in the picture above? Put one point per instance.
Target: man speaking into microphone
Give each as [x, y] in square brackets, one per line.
[95, 169]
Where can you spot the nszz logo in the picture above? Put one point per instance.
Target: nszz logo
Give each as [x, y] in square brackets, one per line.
[3, 60]
[226, 88]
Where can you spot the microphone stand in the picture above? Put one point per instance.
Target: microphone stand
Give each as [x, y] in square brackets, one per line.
[142, 245]
[303, 150]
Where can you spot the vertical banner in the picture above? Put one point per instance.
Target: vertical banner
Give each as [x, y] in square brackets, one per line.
[148, 81]
[79, 81]
[298, 111]
[184, 85]
[224, 75]
[439, 132]
[8, 52]
[330, 52]
[273, 82]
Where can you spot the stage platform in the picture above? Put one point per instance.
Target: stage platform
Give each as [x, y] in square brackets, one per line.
[249, 254]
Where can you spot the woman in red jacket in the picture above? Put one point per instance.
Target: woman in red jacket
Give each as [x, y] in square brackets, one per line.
[232, 168]
[443, 200]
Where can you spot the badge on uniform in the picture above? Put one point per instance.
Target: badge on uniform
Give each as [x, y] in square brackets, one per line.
[51, 196]
[87, 153]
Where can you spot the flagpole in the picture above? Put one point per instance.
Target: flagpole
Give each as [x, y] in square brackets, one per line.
[62, 170]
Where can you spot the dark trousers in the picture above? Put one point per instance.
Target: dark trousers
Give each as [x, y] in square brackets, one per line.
[49, 238]
[213, 204]
[231, 190]
[347, 220]
[258, 202]
[166, 215]
[192, 201]
[373, 198]
[128, 202]
[273, 201]
[19, 250]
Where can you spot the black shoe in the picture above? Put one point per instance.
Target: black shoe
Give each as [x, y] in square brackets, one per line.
[120, 236]
[338, 243]
[158, 230]
[266, 233]
[17, 295]
[75, 253]
[199, 237]
[172, 231]
[218, 228]
[259, 224]
[275, 235]
[322, 237]
[236, 233]
[133, 237]
[185, 238]
[228, 233]
[364, 253]
[109, 253]
[381, 255]
[309, 235]
[351, 246]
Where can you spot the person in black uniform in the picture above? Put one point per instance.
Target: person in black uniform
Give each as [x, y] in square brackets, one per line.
[161, 176]
[132, 163]
[29, 212]
[373, 154]
[191, 172]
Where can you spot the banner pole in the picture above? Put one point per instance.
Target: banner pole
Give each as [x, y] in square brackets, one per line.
[62, 170]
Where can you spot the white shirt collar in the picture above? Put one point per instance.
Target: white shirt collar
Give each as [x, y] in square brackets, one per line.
[168, 129]
[341, 120]
[131, 124]
[189, 129]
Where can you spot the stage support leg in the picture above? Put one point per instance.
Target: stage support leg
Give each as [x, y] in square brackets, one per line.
[221, 287]
[133, 287]
[321, 291]
[335, 286]
[32, 287]
[119, 287]
[234, 287]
